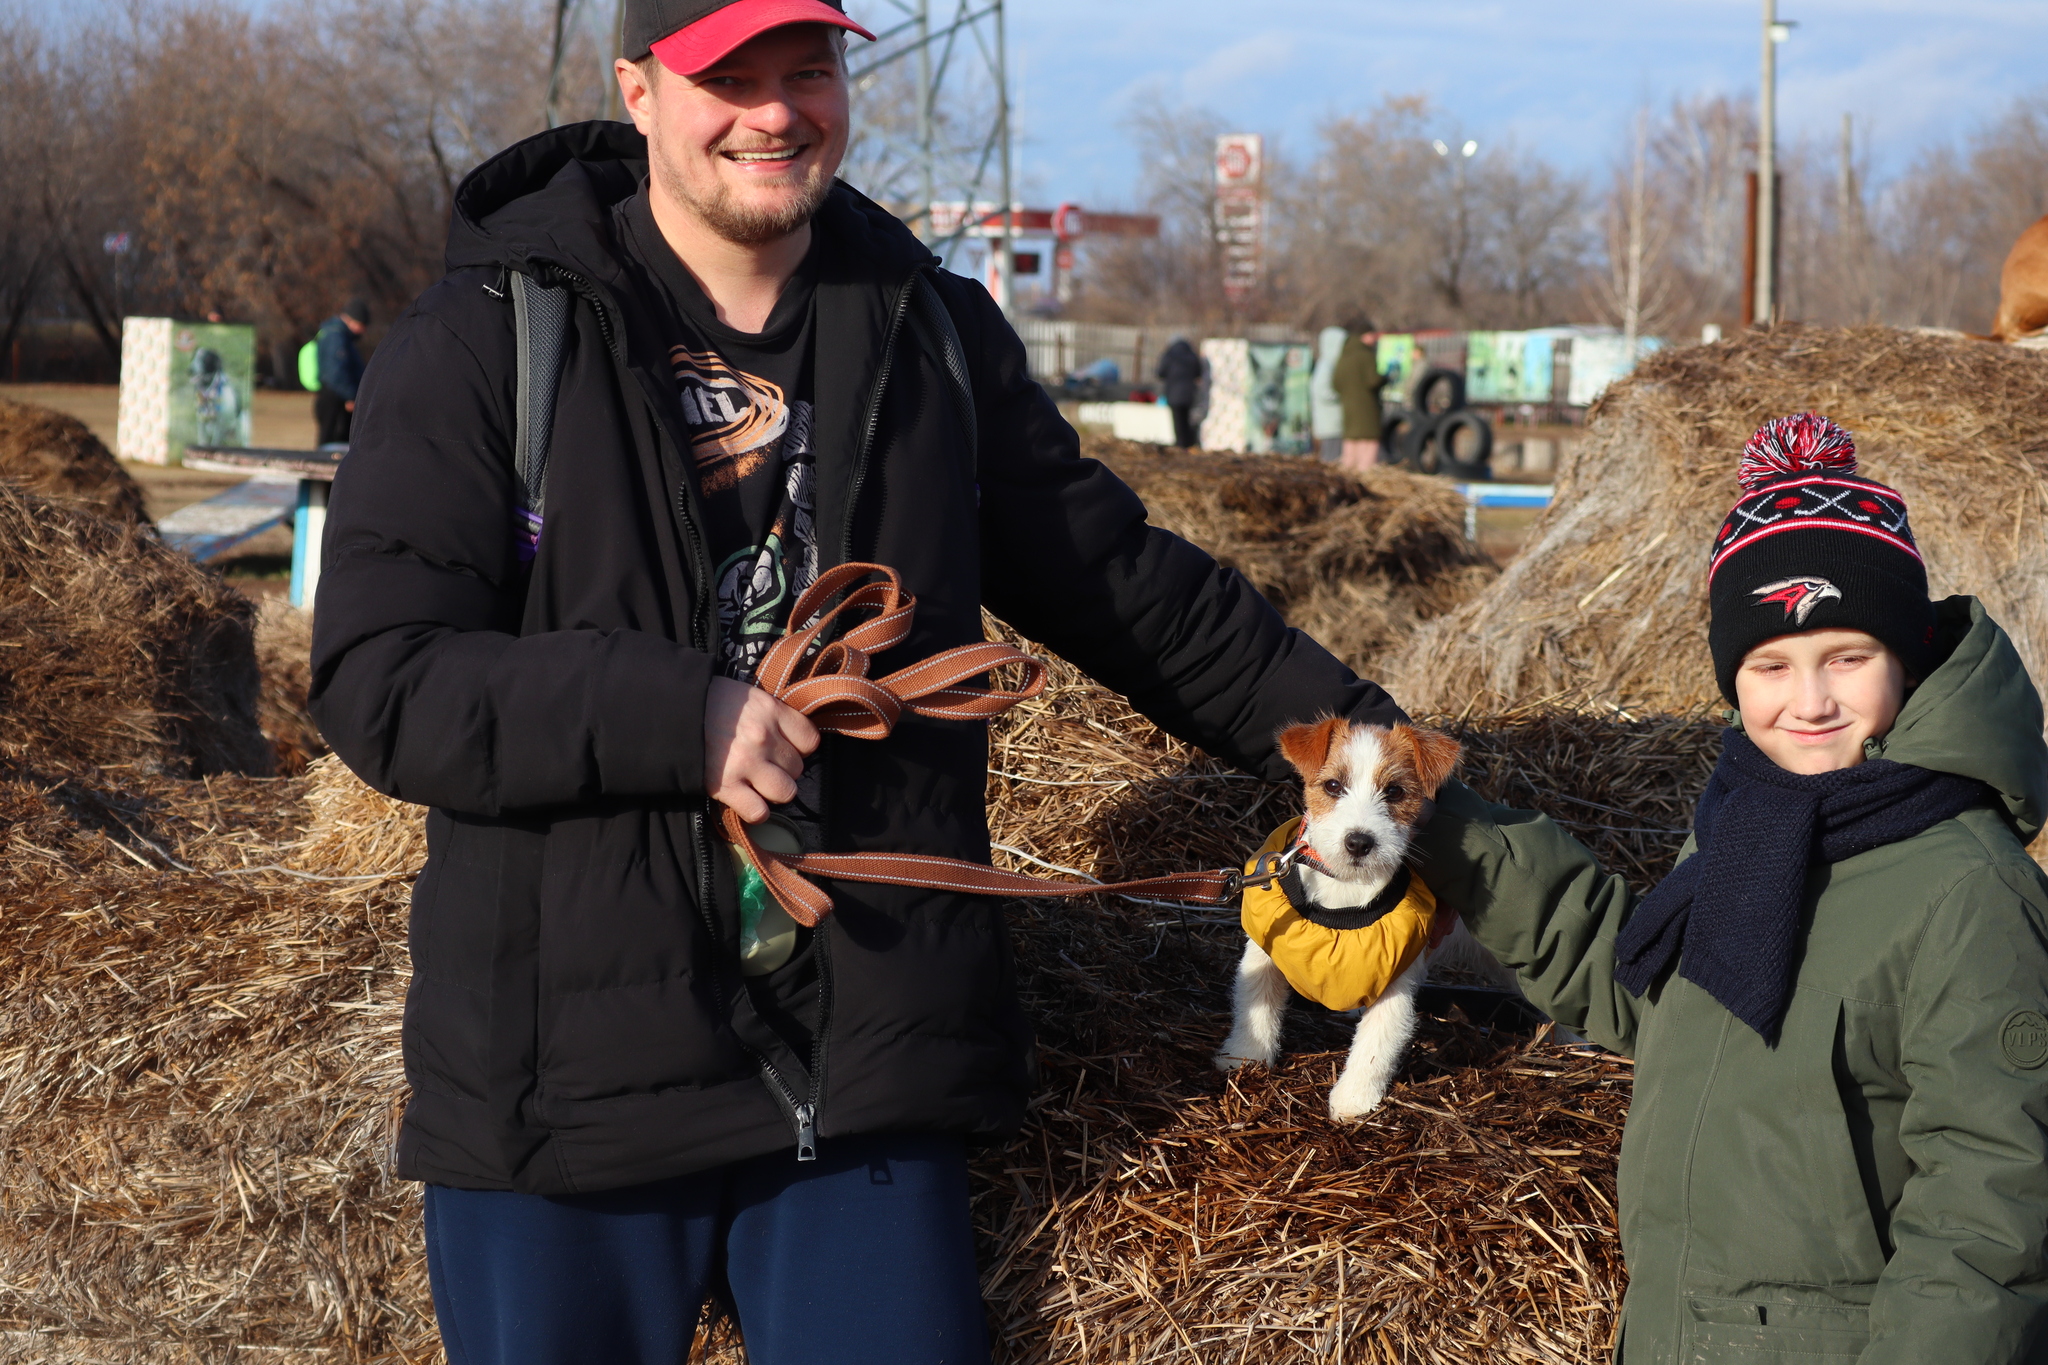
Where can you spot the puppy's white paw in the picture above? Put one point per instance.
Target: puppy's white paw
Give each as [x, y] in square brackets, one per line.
[1237, 1052]
[1351, 1102]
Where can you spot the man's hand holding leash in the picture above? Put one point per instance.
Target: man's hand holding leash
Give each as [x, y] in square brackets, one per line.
[754, 748]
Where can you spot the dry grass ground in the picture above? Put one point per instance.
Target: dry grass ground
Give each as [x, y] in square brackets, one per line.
[259, 567]
[56, 455]
[283, 418]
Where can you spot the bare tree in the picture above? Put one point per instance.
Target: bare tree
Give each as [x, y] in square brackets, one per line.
[25, 239]
[1536, 234]
[267, 167]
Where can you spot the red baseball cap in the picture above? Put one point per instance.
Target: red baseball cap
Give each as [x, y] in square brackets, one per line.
[690, 35]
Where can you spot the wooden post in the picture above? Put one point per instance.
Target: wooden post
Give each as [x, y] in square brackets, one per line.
[1749, 257]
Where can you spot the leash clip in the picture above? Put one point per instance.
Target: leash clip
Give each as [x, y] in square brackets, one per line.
[1270, 868]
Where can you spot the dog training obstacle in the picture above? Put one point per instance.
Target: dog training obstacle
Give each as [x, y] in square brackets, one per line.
[312, 474]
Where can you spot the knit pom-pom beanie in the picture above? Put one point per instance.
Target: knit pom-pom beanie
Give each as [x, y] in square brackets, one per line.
[1810, 546]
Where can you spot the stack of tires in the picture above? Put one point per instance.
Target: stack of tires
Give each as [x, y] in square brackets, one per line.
[1436, 433]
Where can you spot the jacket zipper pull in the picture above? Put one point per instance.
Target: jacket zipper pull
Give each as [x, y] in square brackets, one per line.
[807, 1132]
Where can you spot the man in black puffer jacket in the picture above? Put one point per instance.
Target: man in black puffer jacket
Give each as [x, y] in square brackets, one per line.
[622, 1093]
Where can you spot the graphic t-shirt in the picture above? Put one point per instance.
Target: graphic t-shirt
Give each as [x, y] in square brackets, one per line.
[746, 400]
[746, 403]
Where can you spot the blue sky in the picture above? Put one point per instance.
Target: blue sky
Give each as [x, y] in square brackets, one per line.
[1559, 79]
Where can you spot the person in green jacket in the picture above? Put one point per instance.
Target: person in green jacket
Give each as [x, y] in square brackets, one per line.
[1837, 1002]
[1356, 378]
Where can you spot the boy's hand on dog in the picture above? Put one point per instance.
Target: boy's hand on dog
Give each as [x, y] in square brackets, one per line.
[754, 748]
[1440, 928]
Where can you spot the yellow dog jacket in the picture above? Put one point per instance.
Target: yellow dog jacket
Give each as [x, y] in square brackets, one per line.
[1339, 958]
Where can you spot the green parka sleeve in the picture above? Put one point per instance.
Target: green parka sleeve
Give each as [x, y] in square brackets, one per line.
[1541, 903]
[1968, 1277]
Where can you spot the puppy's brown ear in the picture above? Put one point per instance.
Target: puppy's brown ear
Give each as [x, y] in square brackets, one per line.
[1307, 747]
[1436, 755]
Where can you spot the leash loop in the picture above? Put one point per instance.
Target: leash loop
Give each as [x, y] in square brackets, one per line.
[821, 667]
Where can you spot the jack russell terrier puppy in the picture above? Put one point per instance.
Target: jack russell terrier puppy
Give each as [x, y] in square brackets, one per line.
[1344, 921]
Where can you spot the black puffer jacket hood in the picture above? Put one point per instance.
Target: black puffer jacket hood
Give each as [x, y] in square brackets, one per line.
[577, 1019]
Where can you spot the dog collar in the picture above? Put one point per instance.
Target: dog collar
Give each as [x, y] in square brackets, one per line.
[1347, 917]
[1301, 855]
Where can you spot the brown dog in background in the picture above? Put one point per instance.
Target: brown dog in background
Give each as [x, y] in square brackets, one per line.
[2023, 287]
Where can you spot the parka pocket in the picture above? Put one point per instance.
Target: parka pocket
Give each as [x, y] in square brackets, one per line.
[1746, 1332]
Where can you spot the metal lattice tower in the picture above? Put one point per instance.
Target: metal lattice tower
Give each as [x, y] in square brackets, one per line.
[950, 49]
[604, 20]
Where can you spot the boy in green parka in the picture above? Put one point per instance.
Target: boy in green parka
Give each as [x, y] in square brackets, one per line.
[1838, 1001]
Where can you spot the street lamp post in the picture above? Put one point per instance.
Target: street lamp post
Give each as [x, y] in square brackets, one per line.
[1765, 300]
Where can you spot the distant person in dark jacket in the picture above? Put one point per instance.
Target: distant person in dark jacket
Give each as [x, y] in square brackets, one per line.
[633, 1080]
[1180, 377]
[1357, 381]
[341, 371]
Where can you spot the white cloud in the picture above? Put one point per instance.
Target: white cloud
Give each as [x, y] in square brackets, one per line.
[1242, 69]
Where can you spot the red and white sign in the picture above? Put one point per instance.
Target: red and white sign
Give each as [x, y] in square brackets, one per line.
[1240, 159]
[1240, 211]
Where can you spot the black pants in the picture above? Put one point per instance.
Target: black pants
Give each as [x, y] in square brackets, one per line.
[331, 415]
[1183, 425]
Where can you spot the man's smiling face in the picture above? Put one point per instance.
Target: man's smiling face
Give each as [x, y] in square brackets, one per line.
[748, 146]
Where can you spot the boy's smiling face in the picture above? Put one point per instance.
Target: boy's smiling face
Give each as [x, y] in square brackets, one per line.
[1810, 700]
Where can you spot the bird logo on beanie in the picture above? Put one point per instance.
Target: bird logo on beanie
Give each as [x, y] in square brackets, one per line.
[1798, 596]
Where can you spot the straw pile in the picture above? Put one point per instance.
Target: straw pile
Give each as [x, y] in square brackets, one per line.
[115, 651]
[1355, 560]
[56, 455]
[199, 1085]
[205, 1072]
[284, 648]
[1608, 597]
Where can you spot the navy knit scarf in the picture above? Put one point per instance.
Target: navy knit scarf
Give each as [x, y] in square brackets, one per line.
[1734, 906]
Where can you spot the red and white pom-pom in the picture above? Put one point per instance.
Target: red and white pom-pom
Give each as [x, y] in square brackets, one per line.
[1804, 443]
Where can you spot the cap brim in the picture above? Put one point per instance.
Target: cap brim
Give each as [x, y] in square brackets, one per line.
[714, 37]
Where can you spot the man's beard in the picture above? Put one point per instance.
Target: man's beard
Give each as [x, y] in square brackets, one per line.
[746, 224]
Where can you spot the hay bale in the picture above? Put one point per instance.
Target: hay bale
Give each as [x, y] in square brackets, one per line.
[200, 1085]
[284, 650]
[56, 455]
[1356, 560]
[115, 651]
[1608, 597]
[352, 831]
[199, 1100]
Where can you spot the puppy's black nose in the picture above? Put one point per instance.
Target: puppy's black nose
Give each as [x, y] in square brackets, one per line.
[1358, 843]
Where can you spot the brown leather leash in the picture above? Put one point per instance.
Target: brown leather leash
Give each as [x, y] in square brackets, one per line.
[827, 680]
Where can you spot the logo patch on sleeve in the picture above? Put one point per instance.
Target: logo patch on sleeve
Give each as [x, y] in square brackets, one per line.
[2024, 1038]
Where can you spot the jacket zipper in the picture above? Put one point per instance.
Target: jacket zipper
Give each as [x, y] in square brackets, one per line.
[874, 415]
[803, 1115]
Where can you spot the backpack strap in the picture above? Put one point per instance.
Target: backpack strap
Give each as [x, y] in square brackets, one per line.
[540, 322]
[940, 339]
